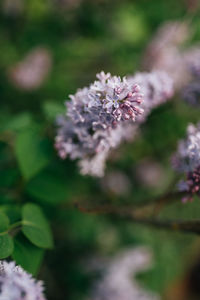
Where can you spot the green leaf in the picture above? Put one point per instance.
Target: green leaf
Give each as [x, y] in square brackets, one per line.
[19, 122]
[130, 25]
[48, 187]
[8, 177]
[53, 109]
[4, 223]
[31, 152]
[27, 255]
[6, 242]
[6, 246]
[13, 212]
[35, 226]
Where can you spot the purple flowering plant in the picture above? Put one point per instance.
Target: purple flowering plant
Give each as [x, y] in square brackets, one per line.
[135, 161]
[100, 117]
[93, 120]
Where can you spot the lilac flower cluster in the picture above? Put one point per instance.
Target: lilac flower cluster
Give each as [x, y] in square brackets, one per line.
[16, 284]
[156, 86]
[166, 52]
[191, 92]
[187, 161]
[118, 277]
[103, 115]
[192, 58]
[91, 126]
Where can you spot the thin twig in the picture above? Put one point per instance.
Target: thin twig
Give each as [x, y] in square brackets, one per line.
[192, 226]
[150, 208]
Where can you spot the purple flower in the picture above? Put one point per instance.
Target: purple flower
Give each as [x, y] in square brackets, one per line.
[106, 113]
[16, 284]
[30, 73]
[191, 93]
[156, 86]
[92, 125]
[166, 52]
[187, 161]
[192, 59]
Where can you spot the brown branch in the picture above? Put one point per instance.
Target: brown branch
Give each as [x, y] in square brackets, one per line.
[192, 226]
[150, 208]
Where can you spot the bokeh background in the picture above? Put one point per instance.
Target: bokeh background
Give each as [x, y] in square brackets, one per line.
[48, 49]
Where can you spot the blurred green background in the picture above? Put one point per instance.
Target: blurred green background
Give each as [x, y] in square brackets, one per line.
[49, 48]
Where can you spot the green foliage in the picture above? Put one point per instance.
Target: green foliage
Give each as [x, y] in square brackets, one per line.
[6, 242]
[27, 255]
[32, 153]
[35, 226]
[48, 187]
[4, 223]
[18, 122]
[13, 212]
[170, 252]
[52, 110]
[6, 246]
[130, 25]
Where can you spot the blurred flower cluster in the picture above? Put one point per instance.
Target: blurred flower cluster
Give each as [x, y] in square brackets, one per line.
[166, 52]
[12, 8]
[16, 284]
[187, 161]
[117, 283]
[157, 87]
[191, 92]
[30, 73]
[116, 183]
